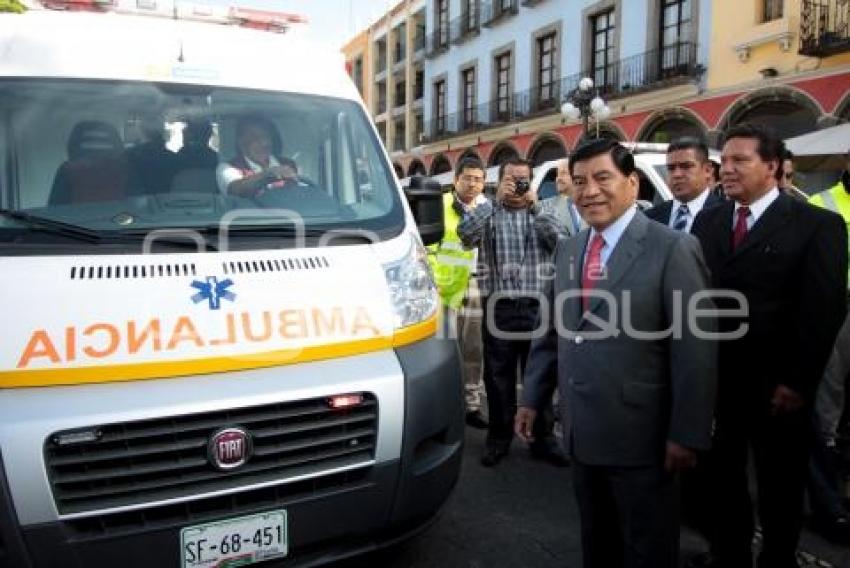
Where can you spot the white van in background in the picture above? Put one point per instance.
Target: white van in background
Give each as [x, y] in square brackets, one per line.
[446, 180]
[189, 378]
[651, 164]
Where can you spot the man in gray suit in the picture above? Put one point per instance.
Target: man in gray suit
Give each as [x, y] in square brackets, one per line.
[562, 206]
[636, 373]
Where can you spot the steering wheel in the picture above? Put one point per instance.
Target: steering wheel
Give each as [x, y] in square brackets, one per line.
[308, 182]
[290, 184]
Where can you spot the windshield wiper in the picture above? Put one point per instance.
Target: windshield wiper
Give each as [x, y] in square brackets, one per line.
[53, 226]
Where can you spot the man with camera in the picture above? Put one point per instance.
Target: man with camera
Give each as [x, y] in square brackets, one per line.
[515, 240]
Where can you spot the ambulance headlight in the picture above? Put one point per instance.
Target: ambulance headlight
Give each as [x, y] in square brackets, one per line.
[412, 291]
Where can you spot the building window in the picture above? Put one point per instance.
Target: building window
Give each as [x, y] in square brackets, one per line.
[357, 72]
[503, 86]
[419, 84]
[440, 106]
[546, 69]
[468, 81]
[470, 15]
[400, 43]
[443, 22]
[772, 10]
[381, 87]
[418, 128]
[674, 51]
[398, 136]
[602, 51]
[400, 89]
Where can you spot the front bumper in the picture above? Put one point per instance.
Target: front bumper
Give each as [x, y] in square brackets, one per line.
[330, 517]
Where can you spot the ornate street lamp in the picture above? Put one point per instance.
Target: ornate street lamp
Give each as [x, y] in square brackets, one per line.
[582, 102]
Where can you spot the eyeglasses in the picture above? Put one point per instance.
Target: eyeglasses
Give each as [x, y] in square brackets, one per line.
[472, 179]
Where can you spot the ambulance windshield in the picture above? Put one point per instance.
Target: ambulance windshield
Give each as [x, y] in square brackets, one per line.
[104, 159]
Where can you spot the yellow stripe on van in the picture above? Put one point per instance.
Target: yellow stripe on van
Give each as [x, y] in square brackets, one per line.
[242, 362]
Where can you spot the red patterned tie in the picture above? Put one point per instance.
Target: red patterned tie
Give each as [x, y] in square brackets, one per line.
[740, 226]
[592, 268]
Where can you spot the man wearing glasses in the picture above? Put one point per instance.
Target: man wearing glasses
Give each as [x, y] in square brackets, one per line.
[689, 175]
[454, 269]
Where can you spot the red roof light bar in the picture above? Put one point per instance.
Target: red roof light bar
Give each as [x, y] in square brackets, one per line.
[265, 20]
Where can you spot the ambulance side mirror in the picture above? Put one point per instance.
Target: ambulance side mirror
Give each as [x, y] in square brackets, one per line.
[425, 199]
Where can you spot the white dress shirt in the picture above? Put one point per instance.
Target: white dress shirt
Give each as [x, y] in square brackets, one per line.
[611, 234]
[757, 208]
[227, 174]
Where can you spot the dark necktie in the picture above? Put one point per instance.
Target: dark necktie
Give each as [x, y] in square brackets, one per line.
[681, 220]
[740, 226]
[592, 267]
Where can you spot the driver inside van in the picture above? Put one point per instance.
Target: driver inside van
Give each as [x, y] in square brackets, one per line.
[259, 166]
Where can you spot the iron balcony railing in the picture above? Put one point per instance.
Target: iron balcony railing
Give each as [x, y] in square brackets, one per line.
[494, 11]
[465, 26]
[652, 70]
[824, 27]
[649, 70]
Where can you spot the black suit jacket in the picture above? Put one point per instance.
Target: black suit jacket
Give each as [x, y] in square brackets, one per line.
[792, 270]
[661, 213]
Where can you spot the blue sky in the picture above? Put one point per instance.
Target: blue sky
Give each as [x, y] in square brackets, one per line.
[331, 21]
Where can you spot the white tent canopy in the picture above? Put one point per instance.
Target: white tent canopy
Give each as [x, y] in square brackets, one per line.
[829, 141]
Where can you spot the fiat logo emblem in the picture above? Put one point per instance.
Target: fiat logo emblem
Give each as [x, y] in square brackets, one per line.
[229, 448]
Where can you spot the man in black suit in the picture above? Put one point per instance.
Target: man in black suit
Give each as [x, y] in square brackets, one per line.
[789, 262]
[689, 175]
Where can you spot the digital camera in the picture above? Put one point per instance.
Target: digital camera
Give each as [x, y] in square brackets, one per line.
[521, 186]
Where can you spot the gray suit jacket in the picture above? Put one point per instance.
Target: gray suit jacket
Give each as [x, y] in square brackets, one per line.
[559, 207]
[627, 395]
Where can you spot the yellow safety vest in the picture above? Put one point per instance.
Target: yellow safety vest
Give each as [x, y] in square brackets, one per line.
[451, 263]
[835, 199]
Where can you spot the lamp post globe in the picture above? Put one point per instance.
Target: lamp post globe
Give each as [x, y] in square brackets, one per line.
[597, 104]
[585, 84]
[570, 111]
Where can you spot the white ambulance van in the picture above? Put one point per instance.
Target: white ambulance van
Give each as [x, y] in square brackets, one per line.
[190, 377]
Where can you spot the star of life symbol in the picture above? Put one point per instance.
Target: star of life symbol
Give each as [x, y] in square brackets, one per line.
[213, 291]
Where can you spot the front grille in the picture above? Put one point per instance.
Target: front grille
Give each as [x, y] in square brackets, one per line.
[133, 463]
[212, 508]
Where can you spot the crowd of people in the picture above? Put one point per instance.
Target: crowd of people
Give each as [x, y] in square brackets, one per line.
[674, 342]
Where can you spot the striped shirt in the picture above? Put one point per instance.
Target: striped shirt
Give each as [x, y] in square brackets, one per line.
[513, 244]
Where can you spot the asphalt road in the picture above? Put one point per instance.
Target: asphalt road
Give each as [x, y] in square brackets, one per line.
[521, 514]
